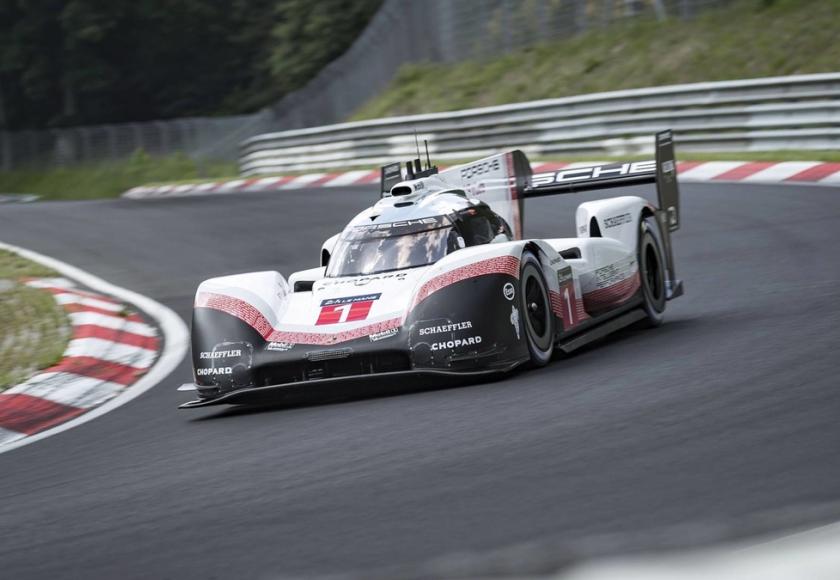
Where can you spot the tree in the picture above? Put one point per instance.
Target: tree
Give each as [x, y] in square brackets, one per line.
[70, 62]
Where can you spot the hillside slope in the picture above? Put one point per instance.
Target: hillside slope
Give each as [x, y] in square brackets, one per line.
[748, 39]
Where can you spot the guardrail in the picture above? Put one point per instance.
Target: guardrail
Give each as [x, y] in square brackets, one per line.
[795, 112]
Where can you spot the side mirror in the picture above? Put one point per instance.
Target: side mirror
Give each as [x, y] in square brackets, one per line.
[327, 249]
[304, 280]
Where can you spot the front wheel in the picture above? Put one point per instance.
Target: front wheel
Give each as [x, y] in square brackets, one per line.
[652, 274]
[536, 306]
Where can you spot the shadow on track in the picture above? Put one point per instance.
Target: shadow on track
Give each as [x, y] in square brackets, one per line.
[303, 397]
[338, 394]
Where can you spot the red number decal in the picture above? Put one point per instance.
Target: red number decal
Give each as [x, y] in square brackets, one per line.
[337, 313]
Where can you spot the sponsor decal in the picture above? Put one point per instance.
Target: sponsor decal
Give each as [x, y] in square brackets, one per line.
[445, 328]
[596, 172]
[214, 371]
[377, 336]
[583, 228]
[346, 309]
[614, 273]
[508, 290]
[672, 216]
[456, 343]
[514, 320]
[564, 275]
[219, 354]
[395, 228]
[279, 346]
[361, 281]
[480, 168]
[391, 174]
[617, 220]
[561, 304]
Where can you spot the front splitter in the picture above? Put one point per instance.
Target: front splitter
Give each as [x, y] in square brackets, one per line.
[365, 384]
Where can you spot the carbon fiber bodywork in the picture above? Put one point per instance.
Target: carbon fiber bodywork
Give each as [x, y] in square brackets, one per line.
[472, 326]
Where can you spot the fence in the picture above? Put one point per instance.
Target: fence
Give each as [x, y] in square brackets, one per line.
[402, 31]
[798, 112]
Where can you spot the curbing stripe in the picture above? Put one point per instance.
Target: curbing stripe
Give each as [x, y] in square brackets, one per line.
[91, 331]
[49, 398]
[743, 172]
[96, 368]
[64, 298]
[708, 171]
[68, 389]
[833, 179]
[174, 347]
[780, 172]
[812, 172]
[110, 351]
[349, 178]
[29, 415]
[816, 173]
[113, 322]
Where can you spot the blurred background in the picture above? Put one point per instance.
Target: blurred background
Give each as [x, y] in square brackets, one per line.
[109, 85]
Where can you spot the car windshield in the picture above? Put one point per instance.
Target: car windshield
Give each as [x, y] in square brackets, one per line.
[374, 248]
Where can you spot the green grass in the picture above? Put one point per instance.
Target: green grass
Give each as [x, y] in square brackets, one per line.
[34, 329]
[110, 179]
[748, 39]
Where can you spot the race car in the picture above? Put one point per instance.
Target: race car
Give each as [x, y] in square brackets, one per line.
[436, 280]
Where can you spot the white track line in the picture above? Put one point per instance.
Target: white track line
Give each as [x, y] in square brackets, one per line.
[174, 347]
[812, 555]
[7, 436]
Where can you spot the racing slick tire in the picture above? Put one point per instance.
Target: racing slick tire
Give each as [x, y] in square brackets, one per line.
[536, 308]
[652, 276]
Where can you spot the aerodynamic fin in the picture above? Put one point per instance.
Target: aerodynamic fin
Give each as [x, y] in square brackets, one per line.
[662, 172]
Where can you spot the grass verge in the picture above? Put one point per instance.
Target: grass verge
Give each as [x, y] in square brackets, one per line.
[110, 179]
[747, 39]
[34, 330]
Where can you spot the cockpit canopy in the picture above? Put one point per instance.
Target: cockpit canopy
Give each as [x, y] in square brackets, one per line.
[364, 249]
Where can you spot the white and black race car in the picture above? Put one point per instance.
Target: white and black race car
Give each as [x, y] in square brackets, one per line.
[437, 280]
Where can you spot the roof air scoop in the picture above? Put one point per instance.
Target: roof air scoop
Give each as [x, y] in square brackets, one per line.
[401, 190]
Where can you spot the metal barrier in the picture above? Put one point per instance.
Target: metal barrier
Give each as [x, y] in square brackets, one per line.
[402, 31]
[796, 112]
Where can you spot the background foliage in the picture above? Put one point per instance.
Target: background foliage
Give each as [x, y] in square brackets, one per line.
[72, 62]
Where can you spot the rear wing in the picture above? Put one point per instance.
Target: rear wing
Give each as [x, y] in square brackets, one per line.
[662, 172]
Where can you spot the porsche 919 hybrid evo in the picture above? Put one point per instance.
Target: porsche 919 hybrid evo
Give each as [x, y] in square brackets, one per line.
[437, 280]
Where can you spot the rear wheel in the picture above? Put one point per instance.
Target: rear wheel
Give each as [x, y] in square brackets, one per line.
[652, 274]
[536, 307]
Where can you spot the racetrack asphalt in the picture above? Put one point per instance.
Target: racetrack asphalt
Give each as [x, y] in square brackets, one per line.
[726, 413]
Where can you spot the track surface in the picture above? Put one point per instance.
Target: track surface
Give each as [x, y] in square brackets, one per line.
[727, 411]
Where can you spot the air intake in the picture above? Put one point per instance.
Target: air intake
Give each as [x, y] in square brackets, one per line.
[320, 355]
